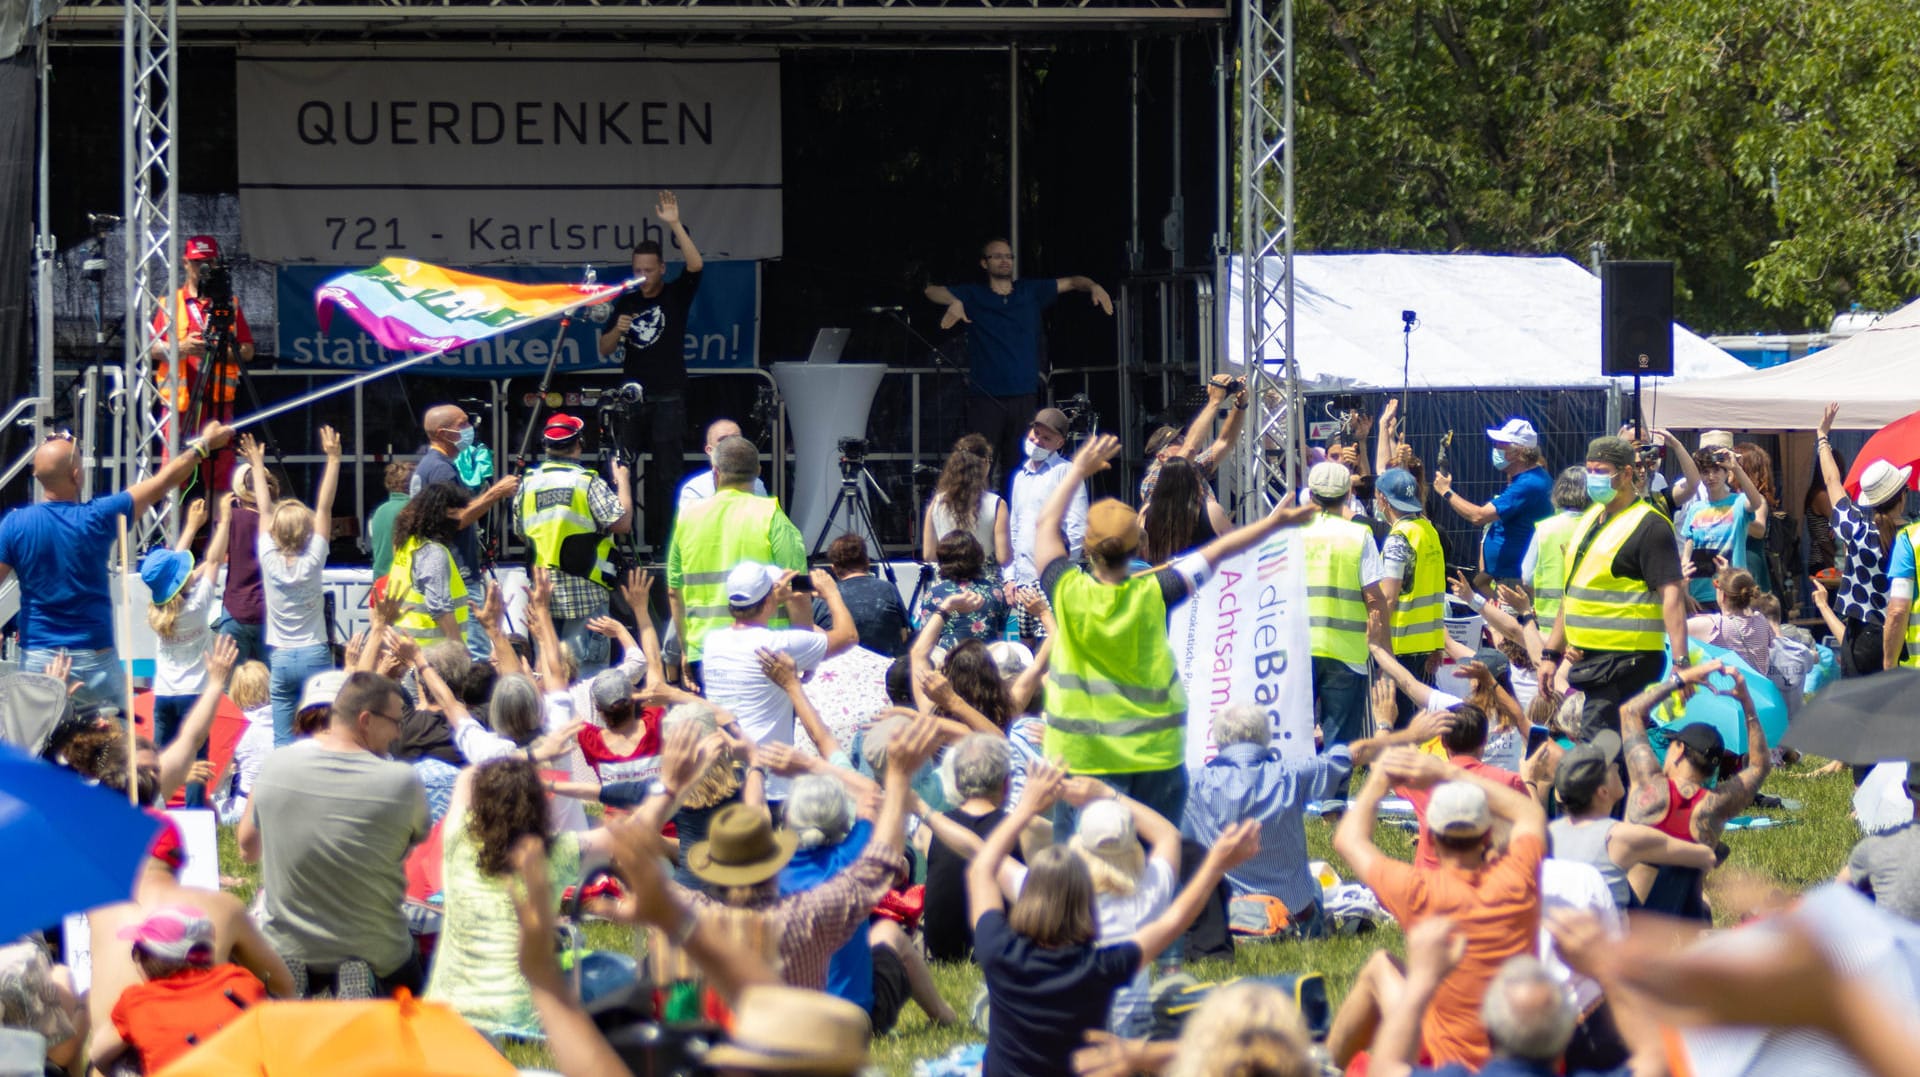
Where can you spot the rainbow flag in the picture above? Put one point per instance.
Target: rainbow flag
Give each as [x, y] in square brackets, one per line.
[412, 306]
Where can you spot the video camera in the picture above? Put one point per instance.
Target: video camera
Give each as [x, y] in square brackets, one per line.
[1081, 418]
[853, 450]
[216, 288]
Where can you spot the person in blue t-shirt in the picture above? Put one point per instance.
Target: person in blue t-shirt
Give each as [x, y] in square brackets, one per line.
[1510, 517]
[59, 550]
[1727, 510]
[1003, 342]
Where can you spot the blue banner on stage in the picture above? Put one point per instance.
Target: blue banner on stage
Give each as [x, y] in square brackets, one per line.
[721, 327]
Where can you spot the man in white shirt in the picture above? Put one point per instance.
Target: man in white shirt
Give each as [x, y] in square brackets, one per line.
[732, 671]
[1033, 482]
[700, 487]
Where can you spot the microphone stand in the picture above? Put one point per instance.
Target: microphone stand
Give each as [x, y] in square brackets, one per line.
[940, 360]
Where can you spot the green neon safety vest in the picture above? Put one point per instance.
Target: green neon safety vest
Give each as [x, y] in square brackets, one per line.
[414, 619]
[710, 537]
[1114, 701]
[1605, 612]
[554, 507]
[1549, 580]
[1912, 656]
[1419, 614]
[1336, 609]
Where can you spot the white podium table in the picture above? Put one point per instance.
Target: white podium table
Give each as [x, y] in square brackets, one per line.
[825, 402]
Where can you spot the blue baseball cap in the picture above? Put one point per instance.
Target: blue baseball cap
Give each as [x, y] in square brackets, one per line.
[1398, 486]
[165, 572]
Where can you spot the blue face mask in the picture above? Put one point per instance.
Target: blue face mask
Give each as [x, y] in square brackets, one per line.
[1600, 487]
[466, 436]
[1500, 459]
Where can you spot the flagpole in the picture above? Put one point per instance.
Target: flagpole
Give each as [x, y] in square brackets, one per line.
[394, 368]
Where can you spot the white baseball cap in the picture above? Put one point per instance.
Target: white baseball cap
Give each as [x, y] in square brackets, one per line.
[1106, 826]
[750, 581]
[1458, 810]
[1517, 432]
[1329, 479]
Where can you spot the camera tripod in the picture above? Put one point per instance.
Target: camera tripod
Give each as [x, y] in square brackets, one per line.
[222, 352]
[854, 473]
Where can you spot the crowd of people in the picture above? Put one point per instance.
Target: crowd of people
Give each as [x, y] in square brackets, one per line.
[419, 799]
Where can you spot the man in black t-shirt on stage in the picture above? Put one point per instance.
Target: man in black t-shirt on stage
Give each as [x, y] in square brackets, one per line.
[649, 329]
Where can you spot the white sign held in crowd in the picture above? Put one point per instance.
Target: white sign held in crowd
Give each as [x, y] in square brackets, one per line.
[200, 840]
[486, 154]
[1243, 639]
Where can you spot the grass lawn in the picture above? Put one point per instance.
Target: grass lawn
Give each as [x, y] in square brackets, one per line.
[1794, 857]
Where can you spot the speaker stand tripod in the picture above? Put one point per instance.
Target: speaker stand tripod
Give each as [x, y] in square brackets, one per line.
[853, 502]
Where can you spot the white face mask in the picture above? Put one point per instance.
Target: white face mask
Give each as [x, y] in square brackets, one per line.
[1036, 452]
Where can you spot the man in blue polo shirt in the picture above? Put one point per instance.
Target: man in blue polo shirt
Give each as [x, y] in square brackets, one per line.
[1510, 516]
[59, 550]
[1003, 343]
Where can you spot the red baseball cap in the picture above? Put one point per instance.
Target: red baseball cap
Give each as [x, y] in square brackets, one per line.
[168, 847]
[562, 428]
[202, 249]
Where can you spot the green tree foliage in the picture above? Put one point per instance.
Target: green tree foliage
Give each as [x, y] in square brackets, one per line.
[1768, 148]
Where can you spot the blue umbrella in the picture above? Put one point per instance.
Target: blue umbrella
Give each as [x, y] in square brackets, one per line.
[1723, 712]
[83, 844]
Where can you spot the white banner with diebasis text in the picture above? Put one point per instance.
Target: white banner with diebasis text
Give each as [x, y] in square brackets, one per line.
[488, 154]
[1243, 639]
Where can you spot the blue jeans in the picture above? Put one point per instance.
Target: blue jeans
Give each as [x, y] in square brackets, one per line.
[102, 680]
[291, 666]
[250, 639]
[590, 648]
[479, 647]
[168, 713]
[1342, 697]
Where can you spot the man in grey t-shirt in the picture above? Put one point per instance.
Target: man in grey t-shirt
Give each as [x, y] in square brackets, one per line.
[331, 822]
[1887, 865]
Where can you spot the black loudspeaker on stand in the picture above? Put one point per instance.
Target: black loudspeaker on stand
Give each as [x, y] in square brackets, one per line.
[1636, 324]
[1636, 328]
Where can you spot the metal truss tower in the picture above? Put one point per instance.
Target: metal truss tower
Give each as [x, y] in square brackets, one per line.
[152, 201]
[1274, 457]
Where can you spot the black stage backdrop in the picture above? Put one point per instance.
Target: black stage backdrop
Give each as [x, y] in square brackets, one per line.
[895, 172]
[17, 164]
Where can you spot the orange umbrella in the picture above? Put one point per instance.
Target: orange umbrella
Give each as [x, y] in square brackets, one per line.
[378, 1038]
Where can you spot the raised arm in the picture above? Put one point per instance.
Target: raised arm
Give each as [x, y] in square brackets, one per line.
[256, 457]
[1087, 285]
[1420, 692]
[177, 755]
[1230, 430]
[1387, 437]
[666, 210]
[546, 641]
[983, 872]
[196, 518]
[1734, 795]
[1647, 800]
[1197, 430]
[1424, 727]
[329, 482]
[1823, 602]
[1049, 540]
[1756, 504]
[844, 633]
[217, 543]
[1415, 768]
[1434, 947]
[1829, 466]
[1235, 846]
[1241, 538]
[1689, 481]
[148, 491]
[637, 588]
[780, 669]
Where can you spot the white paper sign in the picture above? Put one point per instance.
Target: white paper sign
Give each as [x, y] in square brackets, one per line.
[200, 838]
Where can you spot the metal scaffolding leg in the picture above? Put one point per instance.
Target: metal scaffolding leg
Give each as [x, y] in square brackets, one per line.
[152, 203]
[1275, 456]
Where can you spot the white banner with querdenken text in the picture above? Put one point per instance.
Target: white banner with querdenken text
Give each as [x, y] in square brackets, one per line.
[469, 155]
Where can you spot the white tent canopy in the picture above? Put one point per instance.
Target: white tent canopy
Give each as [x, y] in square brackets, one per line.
[1484, 320]
[1874, 374]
